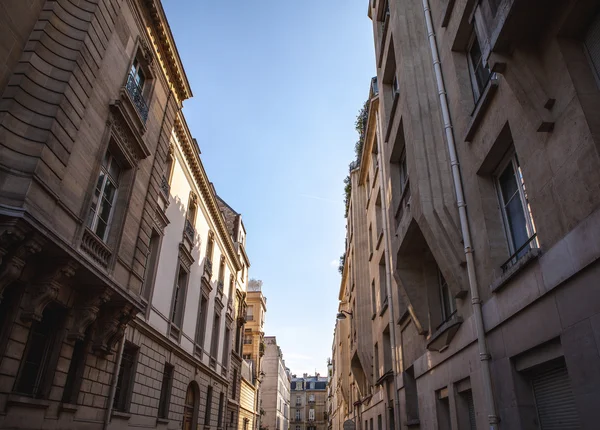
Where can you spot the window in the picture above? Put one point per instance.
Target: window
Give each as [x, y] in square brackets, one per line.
[226, 342]
[250, 313]
[37, 366]
[298, 402]
[76, 368]
[151, 265]
[466, 410]
[246, 421]
[165, 391]
[376, 362]
[210, 247]
[297, 414]
[234, 390]
[371, 423]
[311, 414]
[125, 379]
[104, 197]
[379, 422]
[214, 342]
[478, 69]
[370, 241]
[412, 397]
[516, 213]
[222, 271]
[311, 398]
[443, 409]
[446, 299]
[220, 410]
[201, 328]
[382, 283]
[179, 297]
[208, 406]
[396, 85]
[387, 350]
[373, 298]
[137, 74]
[190, 218]
[592, 46]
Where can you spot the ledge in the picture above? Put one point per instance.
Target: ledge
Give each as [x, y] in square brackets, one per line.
[447, 13]
[414, 422]
[162, 421]
[121, 415]
[442, 337]
[521, 263]
[68, 407]
[29, 402]
[379, 239]
[481, 107]
[383, 308]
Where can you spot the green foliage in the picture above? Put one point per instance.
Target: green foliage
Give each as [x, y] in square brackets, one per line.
[342, 261]
[360, 126]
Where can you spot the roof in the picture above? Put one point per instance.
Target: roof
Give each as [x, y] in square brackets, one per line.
[229, 214]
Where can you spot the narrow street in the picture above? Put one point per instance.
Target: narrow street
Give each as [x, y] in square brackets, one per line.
[299, 215]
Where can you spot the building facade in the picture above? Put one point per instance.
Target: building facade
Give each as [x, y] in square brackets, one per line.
[275, 388]
[308, 403]
[122, 274]
[483, 133]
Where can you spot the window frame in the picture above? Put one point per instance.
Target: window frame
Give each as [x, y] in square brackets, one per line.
[475, 89]
[94, 214]
[511, 158]
[164, 401]
[177, 315]
[124, 395]
[445, 293]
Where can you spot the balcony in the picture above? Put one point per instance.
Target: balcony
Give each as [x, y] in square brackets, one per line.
[207, 268]
[189, 231]
[165, 188]
[137, 97]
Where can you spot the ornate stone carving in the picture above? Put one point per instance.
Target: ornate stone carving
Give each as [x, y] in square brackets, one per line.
[47, 289]
[14, 265]
[122, 133]
[111, 327]
[7, 239]
[86, 312]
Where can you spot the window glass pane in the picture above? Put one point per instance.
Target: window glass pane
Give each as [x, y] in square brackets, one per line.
[516, 221]
[114, 170]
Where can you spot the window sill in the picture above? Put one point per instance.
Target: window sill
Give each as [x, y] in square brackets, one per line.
[373, 316]
[481, 107]
[521, 263]
[379, 239]
[413, 422]
[68, 407]
[162, 421]
[371, 256]
[29, 402]
[121, 415]
[383, 308]
[441, 338]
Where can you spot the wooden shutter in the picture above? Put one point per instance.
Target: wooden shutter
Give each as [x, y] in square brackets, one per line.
[554, 400]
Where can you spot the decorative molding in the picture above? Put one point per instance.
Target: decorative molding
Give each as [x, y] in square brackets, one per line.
[111, 326]
[14, 265]
[46, 290]
[185, 256]
[192, 156]
[86, 311]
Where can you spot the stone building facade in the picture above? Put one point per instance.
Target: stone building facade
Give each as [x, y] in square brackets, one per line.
[308, 399]
[122, 274]
[274, 388]
[485, 124]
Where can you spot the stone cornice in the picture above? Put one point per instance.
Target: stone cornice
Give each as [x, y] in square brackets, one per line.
[164, 38]
[192, 156]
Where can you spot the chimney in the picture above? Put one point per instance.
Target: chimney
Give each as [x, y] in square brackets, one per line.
[318, 374]
[306, 375]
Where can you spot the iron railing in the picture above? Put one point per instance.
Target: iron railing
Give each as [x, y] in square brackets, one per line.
[189, 230]
[137, 97]
[512, 260]
[165, 187]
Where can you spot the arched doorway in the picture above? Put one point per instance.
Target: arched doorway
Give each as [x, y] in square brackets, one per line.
[190, 409]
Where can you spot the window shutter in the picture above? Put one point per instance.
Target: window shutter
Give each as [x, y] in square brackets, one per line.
[592, 44]
[554, 400]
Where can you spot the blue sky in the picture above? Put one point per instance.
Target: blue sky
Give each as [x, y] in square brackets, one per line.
[277, 85]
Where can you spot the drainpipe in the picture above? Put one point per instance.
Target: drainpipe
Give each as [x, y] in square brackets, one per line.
[388, 276]
[113, 384]
[464, 225]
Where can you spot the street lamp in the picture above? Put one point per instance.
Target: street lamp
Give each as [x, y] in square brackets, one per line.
[341, 316]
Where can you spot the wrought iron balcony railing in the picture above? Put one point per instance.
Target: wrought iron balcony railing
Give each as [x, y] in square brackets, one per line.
[137, 96]
[165, 187]
[189, 230]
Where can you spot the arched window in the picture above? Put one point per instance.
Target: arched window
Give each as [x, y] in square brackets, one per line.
[190, 409]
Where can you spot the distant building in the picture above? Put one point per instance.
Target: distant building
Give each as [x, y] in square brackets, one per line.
[275, 388]
[309, 403]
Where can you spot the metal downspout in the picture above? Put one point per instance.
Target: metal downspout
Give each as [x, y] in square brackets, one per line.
[466, 235]
[113, 384]
[388, 276]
